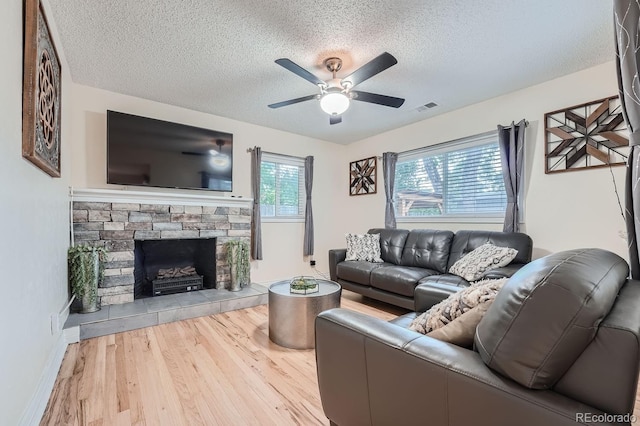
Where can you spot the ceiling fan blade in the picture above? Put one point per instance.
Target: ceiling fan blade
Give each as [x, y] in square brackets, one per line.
[292, 101]
[298, 70]
[335, 119]
[371, 68]
[375, 98]
[193, 153]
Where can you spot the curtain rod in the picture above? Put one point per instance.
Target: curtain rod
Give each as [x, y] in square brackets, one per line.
[480, 135]
[275, 153]
[379, 157]
[526, 124]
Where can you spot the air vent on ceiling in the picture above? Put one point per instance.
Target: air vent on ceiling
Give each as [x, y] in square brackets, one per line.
[426, 106]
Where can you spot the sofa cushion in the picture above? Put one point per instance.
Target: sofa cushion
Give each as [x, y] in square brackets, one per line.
[358, 271]
[427, 248]
[475, 264]
[391, 243]
[466, 241]
[398, 279]
[363, 247]
[446, 313]
[547, 314]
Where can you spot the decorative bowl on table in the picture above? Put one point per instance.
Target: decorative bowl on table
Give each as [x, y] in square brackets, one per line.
[303, 285]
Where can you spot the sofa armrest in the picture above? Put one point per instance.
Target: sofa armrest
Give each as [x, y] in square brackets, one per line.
[336, 256]
[342, 363]
[427, 295]
[504, 272]
[435, 289]
[374, 372]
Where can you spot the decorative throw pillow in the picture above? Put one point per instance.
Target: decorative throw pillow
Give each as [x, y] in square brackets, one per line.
[462, 330]
[455, 319]
[484, 258]
[363, 247]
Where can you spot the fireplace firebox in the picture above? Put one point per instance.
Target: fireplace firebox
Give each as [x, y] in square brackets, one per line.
[173, 265]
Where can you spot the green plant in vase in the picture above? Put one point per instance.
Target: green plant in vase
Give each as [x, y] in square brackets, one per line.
[86, 269]
[303, 285]
[238, 259]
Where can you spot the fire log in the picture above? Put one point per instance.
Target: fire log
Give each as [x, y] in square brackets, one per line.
[176, 272]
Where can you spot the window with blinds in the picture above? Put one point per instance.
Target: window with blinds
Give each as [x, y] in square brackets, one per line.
[282, 193]
[462, 178]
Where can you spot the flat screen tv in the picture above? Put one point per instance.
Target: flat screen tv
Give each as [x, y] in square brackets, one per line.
[146, 152]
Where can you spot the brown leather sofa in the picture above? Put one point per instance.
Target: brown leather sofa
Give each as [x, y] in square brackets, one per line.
[559, 346]
[414, 273]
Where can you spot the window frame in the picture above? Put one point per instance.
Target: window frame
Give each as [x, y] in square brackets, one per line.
[452, 146]
[283, 159]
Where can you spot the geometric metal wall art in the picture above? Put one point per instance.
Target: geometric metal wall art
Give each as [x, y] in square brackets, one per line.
[586, 136]
[362, 175]
[41, 93]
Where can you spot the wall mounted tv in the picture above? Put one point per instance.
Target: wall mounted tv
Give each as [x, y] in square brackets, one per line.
[147, 152]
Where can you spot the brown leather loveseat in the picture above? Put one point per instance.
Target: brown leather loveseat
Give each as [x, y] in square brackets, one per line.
[559, 346]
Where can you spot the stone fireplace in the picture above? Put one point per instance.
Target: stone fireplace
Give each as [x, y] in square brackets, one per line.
[121, 221]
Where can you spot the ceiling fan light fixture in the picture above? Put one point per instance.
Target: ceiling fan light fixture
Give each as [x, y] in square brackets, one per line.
[336, 94]
[219, 162]
[334, 103]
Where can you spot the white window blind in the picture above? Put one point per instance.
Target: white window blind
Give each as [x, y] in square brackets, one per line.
[282, 192]
[455, 179]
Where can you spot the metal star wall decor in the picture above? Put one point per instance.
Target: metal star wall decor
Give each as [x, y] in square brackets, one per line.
[363, 176]
[586, 136]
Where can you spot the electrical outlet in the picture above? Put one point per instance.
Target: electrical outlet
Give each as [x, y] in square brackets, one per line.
[312, 262]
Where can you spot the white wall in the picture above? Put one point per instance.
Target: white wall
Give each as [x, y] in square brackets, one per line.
[282, 242]
[562, 211]
[34, 228]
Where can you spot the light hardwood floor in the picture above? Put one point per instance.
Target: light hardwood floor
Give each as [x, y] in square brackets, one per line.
[216, 370]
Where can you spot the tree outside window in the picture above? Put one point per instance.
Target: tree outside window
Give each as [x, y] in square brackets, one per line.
[281, 186]
[462, 179]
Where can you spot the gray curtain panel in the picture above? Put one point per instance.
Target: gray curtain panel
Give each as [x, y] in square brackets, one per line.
[308, 213]
[511, 142]
[626, 17]
[256, 222]
[389, 160]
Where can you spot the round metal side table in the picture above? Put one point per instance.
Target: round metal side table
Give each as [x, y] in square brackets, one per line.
[292, 316]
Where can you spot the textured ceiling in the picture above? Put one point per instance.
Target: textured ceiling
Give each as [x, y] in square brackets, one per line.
[218, 56]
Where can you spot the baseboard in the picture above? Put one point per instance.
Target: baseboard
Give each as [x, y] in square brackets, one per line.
[33, 414]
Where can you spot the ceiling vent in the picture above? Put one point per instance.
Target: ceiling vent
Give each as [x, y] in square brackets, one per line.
[426, 106]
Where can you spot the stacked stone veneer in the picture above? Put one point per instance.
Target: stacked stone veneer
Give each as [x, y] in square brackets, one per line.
[116, 226]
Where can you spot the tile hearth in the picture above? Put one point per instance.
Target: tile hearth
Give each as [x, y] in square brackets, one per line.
[162, 309]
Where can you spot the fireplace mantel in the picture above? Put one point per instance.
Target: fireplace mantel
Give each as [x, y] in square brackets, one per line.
[149, 197]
